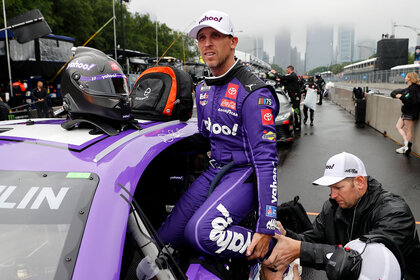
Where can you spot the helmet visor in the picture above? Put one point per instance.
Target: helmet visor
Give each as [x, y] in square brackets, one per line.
[114, 84]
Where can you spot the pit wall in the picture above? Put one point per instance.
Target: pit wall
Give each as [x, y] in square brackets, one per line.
[382, 113]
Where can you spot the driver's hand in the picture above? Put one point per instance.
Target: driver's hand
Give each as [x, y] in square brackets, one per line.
[259, 246]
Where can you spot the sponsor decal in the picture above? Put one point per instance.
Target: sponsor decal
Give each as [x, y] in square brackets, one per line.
[407, 95]
[229, 112]
[269, 135]
[170, 136]
[216, 128]
[206, 18]
[265, 101]
[232, 91]
[101, 77]
[205, 87]
[226, 239]
[203, 102]
[329, 166]
[145, 94]
[273, 186]
[271, 211]
[204, 96]
[180, 178]
[80, 65]
[271, 224]
[114, 66]
[267, 117]
[228, 104]
[250, 86]
[37, 194]
[351, 170]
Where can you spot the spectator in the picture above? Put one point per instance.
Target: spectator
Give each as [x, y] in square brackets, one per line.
[410, 97]
[321, 85]
[4, 110]
[357, 206]
[291, 85]
[40, 96]
[310, 84]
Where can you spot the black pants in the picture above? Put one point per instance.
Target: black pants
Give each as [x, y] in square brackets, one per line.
[295, 99]
[42, 108]
[320, 96]
[305, 113]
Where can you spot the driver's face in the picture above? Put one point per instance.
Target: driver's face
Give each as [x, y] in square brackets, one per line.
[216, 49]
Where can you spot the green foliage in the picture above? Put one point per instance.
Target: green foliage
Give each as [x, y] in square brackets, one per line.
[277, 68]
[80, 19]
[318, 70]
[410, 58]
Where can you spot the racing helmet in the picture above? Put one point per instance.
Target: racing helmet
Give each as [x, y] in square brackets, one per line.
[94, 86]
[364, 259]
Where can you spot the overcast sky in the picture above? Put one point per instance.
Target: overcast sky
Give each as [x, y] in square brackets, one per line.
[371, 18]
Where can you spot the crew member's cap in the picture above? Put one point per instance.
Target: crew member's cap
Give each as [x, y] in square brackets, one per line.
[339, 167]
[214, 19]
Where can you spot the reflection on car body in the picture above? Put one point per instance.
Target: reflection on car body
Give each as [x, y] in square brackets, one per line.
[63, 209]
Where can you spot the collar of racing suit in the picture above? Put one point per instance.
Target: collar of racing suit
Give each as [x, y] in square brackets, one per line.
[226, 77]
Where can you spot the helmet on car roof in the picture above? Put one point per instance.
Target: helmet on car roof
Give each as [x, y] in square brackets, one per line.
[94, 86]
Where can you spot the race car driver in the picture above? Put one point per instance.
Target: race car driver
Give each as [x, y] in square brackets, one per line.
[236, 111]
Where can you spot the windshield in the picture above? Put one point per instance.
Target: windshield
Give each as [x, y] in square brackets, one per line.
[41, 224]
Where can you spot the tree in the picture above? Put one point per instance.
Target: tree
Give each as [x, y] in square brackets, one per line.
[80, 19]
[277, 68]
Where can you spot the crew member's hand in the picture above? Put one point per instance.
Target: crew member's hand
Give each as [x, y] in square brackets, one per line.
[296, 275]
[259, 246]
[281, 228]
[398, 95]
[285, 252]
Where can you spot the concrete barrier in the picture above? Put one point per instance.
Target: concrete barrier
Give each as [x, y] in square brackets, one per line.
[382, 113]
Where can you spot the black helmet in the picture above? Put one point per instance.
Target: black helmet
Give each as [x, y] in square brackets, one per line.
[94, 86]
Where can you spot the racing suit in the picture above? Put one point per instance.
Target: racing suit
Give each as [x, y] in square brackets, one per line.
[377, 212]
[236, 112]
[291, 85]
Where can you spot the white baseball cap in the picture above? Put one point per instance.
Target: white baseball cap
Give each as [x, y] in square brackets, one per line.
[339, 167]
[378, 261]
[214, 19]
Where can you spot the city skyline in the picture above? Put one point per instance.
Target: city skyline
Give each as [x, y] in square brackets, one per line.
[370, 19]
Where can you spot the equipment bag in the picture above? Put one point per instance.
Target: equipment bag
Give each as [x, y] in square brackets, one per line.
[293, 216]
[162, 93]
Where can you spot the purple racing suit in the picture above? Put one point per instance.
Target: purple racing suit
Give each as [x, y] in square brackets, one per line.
[236, 111]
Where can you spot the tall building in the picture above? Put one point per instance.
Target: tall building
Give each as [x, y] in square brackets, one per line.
[259, 47]
[282, 49]
[296, 61]
[365, 49]
[246, 44]
[319, 47]
[345, 52]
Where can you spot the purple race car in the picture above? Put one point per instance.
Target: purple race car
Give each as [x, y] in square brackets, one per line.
[64, 210]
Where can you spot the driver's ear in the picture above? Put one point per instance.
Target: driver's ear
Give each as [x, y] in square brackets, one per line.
[360, 182]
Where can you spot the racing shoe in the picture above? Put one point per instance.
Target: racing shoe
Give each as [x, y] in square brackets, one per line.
[401, 150]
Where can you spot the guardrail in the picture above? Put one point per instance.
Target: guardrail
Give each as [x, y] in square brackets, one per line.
[382, 113]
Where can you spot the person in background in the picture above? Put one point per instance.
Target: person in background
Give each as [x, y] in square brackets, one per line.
[40, 95]
[320, 82]
[4, 110]
[291, 85]
[310, 84]
[410, 97]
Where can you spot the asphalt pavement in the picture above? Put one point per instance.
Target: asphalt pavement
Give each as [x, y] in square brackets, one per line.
[334, 131]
